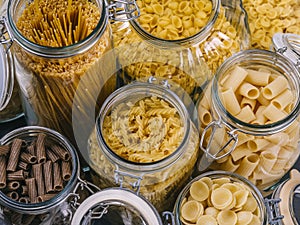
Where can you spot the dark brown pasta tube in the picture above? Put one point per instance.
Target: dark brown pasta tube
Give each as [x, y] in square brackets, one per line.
[40, 148]
[18, 175]
[45, 197]
[66, 170]
[31, 187]
[4, 149]
[31, 148]
[28, 158]
[24, 190]
[23, 165]
[37, 170]
[61, 152]
[13, 195]
[13, 185]
[2, 171]
[25, 200]
[52, 156]
[14, 154]
[58, 181]
[48, 176]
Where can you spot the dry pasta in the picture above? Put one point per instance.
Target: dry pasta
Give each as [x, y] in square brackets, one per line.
[262, 159]
[269, 17]
[230, 202]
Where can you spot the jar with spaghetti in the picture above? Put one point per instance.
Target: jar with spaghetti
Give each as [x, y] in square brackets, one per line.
[39, 181]
[10, 102]
[183, 41]
[55, 44]
[250, 118]
[145, 140]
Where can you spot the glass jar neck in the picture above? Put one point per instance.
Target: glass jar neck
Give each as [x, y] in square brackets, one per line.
[149, 89]
[198, 37]
[42, 207]
[13, 14]
[246, 59]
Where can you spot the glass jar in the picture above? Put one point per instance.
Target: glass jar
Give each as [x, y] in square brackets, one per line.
[49, 66]
[249, 118]
[214, 204]
[288, 193]
[267, 18]
[116, 206]
[43, 186]
[186, 52]
[10, 102]
[144, 139]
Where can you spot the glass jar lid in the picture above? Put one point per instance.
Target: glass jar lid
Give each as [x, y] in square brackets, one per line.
[289, 45]
[289, 195]
[116, 206]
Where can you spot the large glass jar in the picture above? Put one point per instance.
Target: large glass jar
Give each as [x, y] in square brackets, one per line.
[55, 44]
[10, 102]
[144, 139]
[40, 182]
[250, 118]
[183, 41]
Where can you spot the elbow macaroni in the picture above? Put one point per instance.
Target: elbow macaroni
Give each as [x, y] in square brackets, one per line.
[261, 159]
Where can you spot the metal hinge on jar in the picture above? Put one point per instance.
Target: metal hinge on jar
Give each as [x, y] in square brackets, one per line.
[120, 177]
[273, 211]
[5, 36]
[122, 10]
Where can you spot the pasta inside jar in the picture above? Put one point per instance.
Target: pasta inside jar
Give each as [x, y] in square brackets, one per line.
[143, 135]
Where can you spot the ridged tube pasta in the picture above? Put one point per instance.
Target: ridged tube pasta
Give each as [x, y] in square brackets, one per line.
[250, 102]
[275, 87]
[230, 101]
[273, 114]
[259, 78]
[248, 164]
[248, 90]
[283, 100]
[258, 144]
[246, 114]
[235, 79]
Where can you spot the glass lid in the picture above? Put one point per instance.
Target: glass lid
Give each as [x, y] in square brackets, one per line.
[116, 206]
[289, 195]
[4, 77]
[288, 45]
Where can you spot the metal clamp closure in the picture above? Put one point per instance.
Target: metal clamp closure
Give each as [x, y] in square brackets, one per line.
[122, 10]
[95, 213]
[120, 179]
[5, 35]
[168, 218]
[273, 211]
[210, 151]
[80, 186]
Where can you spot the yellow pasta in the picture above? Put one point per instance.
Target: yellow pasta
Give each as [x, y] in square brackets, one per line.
[250, 102]
[258, 144]
[274, 88]
[230, 101]
[244, 217]
[227, 217]
[221, 198]
[206, 220]
[235, 79]
[191, 210]
[283, 99]
[199, 191]
[248, 164]
[246, 114]
[248, 90]
[273, 114]
[257, 78]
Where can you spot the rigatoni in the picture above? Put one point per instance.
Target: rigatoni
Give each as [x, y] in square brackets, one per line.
[3, 172]
[14, 155]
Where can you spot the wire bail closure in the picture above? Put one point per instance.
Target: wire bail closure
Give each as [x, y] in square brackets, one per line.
[122, 10]
[273, 211]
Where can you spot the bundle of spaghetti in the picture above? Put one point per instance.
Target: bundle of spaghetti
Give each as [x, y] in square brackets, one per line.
[53, 82]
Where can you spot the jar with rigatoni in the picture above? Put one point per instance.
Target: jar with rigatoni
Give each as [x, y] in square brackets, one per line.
[55, 44]
[183, 41]
[39, 177]
[249, 116]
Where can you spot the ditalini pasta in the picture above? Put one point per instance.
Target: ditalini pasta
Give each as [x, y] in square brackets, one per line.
[219, 201]
[256, 96]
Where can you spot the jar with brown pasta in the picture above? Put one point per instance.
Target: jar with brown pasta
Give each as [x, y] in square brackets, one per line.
[10, 102]
[269, 17]
[183, 41]
[250, 118]
[55, 44]
[220, 198]
[145, 140]
[40, 177]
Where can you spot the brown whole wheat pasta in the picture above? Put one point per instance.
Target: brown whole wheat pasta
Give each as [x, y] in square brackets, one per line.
[17, 175]
[4, 149]
[31, 148]
[14, 154]
[2, 171]
[28, 158]
[32, 190]
[57, 178]
[23, 165]
[24, 200]
[40, 148]
[66, 170]
[13, 195]
[61, 152]
[45, 197]
[52, 156]
[13, 185]
[48, 176]
[24, 190]
[37, 170]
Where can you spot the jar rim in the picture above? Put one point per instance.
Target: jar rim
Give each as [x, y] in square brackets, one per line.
[37, 208]
[57, 52]
[258, 56]
[137, 88]
[223, 174]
